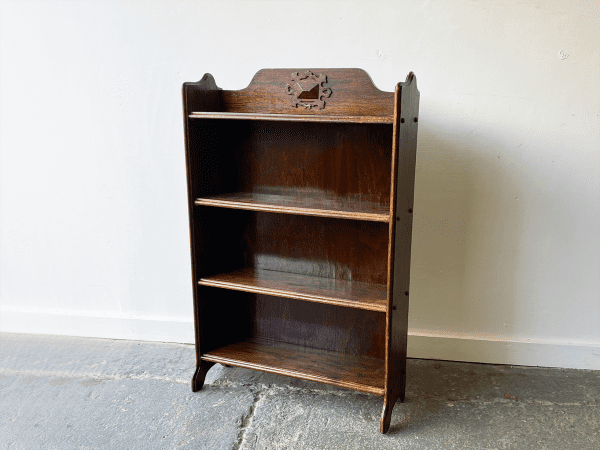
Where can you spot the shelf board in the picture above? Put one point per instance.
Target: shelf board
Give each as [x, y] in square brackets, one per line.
[307, 206]
[292, 117]
[360, 373]
[353, 294]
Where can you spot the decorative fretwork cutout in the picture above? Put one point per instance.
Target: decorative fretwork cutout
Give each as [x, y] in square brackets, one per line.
[308, 90]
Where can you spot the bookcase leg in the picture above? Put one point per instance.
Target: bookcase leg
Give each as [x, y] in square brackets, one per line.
[200, 375]
[401, 396]
[388, 406]
[386, 414]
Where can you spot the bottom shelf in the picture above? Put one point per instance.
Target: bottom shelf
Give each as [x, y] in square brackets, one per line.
[360, 373]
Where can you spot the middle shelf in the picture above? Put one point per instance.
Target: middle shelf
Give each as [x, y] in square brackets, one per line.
[288, 204]
[353, 294]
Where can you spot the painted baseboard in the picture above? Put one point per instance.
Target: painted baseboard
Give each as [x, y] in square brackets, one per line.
[502, 350]
[421, 343]
[137, 328]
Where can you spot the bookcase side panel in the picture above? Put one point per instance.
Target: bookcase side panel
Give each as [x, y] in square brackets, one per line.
[408, 109]
[203, 96]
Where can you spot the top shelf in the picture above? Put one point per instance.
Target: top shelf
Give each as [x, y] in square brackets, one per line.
[292, 117]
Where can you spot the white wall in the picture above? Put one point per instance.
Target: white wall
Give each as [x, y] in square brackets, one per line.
[506, 243]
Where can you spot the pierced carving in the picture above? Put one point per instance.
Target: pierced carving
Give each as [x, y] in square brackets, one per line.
[308, 90]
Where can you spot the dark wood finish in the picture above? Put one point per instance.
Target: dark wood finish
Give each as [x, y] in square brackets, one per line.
[405, 153]
[292, 117]
[317, 160]
[315, 325]
[300, 192]
[360, 373]
[347, 250]
[322, 163]
[353, 294]
[289, 204]
[226, 316]
[204, 97]
[202, 369]
[234, 316]
[308, 90]
[353, 94]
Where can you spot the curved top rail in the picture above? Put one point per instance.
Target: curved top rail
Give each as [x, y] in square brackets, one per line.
[348, 92]
[361, 78]
[322, 92]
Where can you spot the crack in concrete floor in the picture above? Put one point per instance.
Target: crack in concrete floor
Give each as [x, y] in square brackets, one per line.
[247, 420]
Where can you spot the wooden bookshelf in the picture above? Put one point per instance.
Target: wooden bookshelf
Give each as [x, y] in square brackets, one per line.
[300, 192]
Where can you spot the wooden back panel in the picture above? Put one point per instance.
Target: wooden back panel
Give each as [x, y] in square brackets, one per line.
[341, 162]
[315, 325]
[331, 248]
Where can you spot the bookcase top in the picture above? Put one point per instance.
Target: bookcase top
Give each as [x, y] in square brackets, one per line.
[346, 92]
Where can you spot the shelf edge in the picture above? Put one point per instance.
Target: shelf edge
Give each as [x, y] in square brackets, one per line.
[372, 217]
[294, 295]
[295, 374]
[292, 117]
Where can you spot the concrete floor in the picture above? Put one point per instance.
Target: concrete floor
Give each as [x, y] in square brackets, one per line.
[79, 393]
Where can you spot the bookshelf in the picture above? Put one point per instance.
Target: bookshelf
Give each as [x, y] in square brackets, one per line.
[300, 191]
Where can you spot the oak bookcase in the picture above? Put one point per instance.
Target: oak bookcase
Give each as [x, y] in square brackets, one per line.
[300, 192]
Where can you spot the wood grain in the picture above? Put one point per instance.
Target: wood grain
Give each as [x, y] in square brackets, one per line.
[300, 223]
[295, 204]
[351, 294]
[336, 162]
[405, 153]
[353, 94]
[316, 325]
[204, 97]
[349, 371]
[348, 250]
[290, 117]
